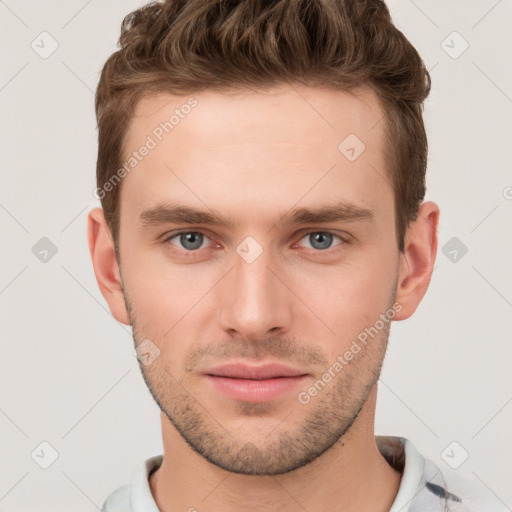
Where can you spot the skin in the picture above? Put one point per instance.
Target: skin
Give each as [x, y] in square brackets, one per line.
[254, 156]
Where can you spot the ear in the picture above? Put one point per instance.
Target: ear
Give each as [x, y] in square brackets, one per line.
[417, 261]
[106, 269]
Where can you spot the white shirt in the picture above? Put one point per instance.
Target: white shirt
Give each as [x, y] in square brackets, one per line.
[423, 487]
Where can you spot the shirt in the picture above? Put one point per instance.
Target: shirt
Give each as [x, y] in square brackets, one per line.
[423, 487]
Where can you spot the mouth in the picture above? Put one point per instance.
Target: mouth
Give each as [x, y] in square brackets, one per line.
[254, 383]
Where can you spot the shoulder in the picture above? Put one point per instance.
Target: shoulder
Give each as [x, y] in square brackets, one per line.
[135, 496]
[468, 494]
[118, 500]
[425, 487]
[452, 492]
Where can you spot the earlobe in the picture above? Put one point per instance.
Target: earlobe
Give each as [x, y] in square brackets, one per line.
[106, 268]
[417, 260]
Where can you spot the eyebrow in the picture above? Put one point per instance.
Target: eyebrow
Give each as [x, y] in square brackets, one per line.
[181, 214]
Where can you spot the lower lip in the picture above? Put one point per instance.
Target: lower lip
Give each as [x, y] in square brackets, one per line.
[255, 390]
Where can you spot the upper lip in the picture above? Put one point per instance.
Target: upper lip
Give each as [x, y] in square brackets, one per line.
[260, 372]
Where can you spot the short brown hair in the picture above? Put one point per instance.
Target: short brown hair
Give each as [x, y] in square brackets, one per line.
[183, 46]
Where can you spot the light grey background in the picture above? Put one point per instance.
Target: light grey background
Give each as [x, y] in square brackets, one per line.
[68, 373]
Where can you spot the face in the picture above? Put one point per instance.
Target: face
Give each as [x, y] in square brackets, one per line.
[256, 254]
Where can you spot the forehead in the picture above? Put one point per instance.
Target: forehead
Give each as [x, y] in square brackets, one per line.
[272, 145]
[266, 115]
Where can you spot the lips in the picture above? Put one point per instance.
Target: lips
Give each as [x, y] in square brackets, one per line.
[263, 372]
[254, 383]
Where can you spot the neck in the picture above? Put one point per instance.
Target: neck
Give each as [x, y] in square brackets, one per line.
[351, 476]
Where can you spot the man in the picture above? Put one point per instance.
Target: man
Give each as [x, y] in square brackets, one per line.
[261, 168]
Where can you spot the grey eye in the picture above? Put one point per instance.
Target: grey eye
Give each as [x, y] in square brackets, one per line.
[320, 240]
[191, 241]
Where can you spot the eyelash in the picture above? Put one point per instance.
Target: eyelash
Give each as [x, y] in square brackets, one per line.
[192, 253]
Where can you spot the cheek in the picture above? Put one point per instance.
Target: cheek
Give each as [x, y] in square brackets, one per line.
[170, 303]
[350, 296]
[156, 282]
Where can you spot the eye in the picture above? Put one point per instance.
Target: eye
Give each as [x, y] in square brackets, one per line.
[321, 240]
[188, 240]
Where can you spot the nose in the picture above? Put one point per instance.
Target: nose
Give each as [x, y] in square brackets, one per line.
[255, 301]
